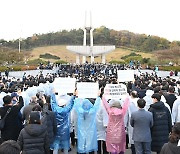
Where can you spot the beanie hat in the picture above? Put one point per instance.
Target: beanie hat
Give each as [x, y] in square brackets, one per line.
[34, 117]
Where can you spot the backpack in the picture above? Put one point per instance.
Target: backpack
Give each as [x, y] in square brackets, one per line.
[2, 121]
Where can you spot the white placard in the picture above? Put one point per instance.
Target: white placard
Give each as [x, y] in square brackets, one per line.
[87, 89]
[125, 75]
[178, 143]
[64, 85]
[115, 91]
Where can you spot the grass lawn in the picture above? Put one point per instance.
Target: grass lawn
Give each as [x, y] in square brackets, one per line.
[64, 54]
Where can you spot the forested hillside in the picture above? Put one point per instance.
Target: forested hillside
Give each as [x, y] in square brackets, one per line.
[102, 36]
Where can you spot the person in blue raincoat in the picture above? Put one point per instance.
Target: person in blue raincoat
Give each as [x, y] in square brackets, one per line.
[62, 138]
[86, 125]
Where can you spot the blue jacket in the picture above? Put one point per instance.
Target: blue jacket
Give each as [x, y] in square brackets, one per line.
[62, 119]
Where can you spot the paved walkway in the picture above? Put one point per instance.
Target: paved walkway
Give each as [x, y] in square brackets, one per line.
[128, 151]
[19, 74]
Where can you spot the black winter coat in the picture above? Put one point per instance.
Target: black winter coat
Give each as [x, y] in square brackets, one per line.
[33, 139]
[49, 121]
[141, 93]
[170, 148]
[162, 125]
[12, 127]
[170, 98]
[27, 110]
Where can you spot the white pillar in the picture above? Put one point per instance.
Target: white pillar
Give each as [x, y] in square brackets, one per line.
[103, 58]
[92, 59]
[77, 59]
[91, 37]
[83, 59]
[84, 39]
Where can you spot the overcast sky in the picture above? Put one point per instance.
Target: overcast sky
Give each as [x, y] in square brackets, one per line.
[23, 18]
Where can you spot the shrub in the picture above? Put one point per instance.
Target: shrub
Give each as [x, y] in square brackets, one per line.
[136, 58]
[48, 56]
[16, 68]
[61, 62]
[145, 60]
[29, 67]
[36, 62]
[3, 68]
[169, 68]
[132, 54]
[116, 62]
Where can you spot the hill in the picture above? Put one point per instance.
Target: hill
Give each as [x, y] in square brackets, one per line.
[64, 54]
[101, 36]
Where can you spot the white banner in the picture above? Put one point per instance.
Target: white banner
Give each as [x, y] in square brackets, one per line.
[115, 91]
[87, 89]
[125, 75]
[64, 85]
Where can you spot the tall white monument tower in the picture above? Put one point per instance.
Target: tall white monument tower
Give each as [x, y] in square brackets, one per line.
[89, 50]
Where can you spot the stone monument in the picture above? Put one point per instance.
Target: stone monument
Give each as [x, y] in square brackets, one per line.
[89, 50]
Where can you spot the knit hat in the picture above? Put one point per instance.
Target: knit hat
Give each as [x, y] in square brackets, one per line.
[34, 117]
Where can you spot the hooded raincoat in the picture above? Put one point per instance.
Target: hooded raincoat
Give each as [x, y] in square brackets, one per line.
[176, 111]
[62, 138]
[101, 122]
[116, 136]
[86, 125]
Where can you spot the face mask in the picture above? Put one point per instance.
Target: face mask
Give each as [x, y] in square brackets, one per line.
[14, 101]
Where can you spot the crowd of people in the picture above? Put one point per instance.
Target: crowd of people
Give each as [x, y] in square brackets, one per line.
[41, 121]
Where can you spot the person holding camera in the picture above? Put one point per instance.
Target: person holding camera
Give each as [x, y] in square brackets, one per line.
[11, 128]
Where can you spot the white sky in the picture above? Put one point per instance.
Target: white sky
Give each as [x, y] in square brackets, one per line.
[152, 17]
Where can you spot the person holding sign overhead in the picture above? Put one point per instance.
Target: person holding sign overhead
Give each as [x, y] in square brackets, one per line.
[116, 136]
[86, 124]
[61, 110]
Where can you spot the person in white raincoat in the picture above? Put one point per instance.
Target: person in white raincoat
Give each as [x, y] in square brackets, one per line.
[148, 99]
[101, 123]
[176, 111]
[132, 108]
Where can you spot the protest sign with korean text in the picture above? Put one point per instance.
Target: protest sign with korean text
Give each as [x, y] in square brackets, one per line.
[115, 91]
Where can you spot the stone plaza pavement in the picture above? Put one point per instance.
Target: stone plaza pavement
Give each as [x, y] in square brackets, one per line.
[73, 151]
[19, 74]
